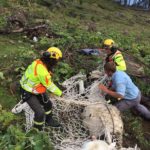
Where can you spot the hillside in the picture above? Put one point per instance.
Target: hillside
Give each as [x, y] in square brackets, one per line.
[71, 25]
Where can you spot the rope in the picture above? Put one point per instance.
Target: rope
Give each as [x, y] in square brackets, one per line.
[68, 110]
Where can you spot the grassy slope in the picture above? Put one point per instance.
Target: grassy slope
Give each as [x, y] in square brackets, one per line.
[129, 28]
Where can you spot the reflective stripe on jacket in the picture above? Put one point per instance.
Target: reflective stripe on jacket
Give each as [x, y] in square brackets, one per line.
[119, 60]
[37, 79]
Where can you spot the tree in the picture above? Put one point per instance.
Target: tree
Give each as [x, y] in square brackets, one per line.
[145, 4]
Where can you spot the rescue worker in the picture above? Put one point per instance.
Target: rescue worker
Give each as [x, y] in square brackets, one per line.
[124, 90]
[34, 83]
[113, 54]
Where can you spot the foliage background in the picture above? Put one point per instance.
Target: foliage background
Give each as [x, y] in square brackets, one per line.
[73, 25]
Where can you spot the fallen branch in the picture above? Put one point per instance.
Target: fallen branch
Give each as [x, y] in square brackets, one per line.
[8, 31]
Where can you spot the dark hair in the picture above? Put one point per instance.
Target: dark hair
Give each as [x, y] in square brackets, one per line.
[113, 49]
[49, 62]
[110, 67]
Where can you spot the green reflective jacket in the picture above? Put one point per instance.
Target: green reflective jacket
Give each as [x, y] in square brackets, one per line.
[37, 79]
[119, 61]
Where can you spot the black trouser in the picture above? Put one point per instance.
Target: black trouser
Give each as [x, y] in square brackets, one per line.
[40, 104]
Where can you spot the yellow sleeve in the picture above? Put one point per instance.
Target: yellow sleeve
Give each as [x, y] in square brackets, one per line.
[119, 60]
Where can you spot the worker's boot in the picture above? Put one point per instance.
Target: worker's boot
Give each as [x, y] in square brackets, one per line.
[51, 122]
[39, 127]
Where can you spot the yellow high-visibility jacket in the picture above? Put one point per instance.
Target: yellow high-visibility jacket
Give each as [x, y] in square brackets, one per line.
[37, 79]
[119, 60]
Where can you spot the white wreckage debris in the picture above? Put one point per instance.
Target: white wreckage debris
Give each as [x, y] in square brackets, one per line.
[29, 114]
[82, 112]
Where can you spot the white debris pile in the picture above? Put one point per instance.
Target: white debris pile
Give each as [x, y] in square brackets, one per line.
[83, 112]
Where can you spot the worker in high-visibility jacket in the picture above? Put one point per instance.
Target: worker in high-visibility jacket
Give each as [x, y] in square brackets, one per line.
[113, 54]
[36, 81]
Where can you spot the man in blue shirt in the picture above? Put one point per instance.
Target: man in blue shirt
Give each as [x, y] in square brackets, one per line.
[124, 90]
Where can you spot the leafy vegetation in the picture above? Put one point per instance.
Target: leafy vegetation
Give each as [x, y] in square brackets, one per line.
[14, 137]
[134, 131]
[72, 25]
[6, 99]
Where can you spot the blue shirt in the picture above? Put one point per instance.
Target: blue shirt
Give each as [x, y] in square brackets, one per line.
[123, 85]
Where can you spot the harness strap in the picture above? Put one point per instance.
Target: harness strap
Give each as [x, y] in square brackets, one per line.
[37, 63]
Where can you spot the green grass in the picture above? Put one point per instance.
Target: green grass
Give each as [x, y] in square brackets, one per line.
[134, 131]
[7, 100]
[129, 28]
[12, 47]
[14, 53]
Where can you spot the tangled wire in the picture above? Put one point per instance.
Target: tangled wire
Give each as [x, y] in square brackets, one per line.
[82, 112]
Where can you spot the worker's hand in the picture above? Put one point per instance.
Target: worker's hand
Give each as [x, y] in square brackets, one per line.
[103, 88]
[119, 99]
[52, 95]
[61, 95]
